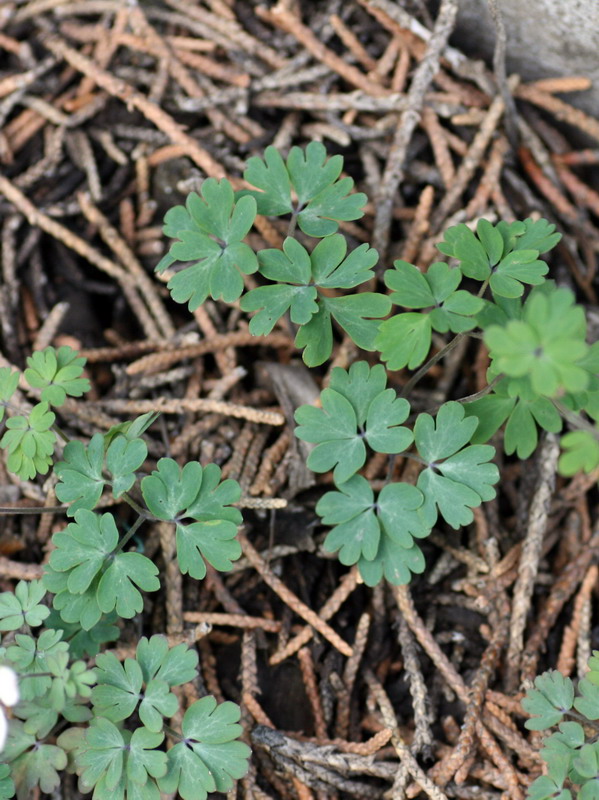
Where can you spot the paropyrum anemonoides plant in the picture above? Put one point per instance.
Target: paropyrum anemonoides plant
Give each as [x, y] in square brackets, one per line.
[542, 369]
[108, 723]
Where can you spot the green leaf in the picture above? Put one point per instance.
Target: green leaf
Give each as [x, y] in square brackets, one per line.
[491, 240]
[30, 442]
[530, 235]
[84, 643]
[87, 552]
[211, 233]
[382, 532]
[359, 315]
[209, 759]
[586, 764]
[491, 412]
[81, 609]
[34, 656]
[404, 340]
[545, 345]
[68, 682]
[457, 478]
[81, 481]
[271, 177]
[174, 665]
[514, 270]
[322, 199]
[196, 493]
[300, 277]
[33, 763]
[57, 373]
[273, 302]
[451, 310]
[132, 429]
[360, 385]
[311, 171]
[117, 589]
[102, 755]
[8, 386]
[83, 547]
[123, 457]
[335, 429]
[119, 691]
[581, 453]
[588, 702]
[552, 696]
[7, 785]
[461, 243]
[23, 607]
[545, 788]
[339, 433]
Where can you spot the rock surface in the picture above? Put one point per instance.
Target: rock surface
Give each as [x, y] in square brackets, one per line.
[546, 38]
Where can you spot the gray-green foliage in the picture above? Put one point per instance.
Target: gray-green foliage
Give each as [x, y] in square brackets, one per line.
[571, 755]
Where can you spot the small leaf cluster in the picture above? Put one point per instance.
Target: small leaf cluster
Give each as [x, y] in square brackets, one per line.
[572, 760]
[109, 759]
[305, 283]
[117, 762]
[30, 440]
[96, 577]
[358, 413]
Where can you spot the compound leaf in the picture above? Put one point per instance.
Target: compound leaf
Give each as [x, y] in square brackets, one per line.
[8, 384]
[211, 233]
[457, 478]
[209, 759]
[340, 434]
[123, 457]
[39, 765]
[552, 696]
[174, 494]
[117, 589]
[379, 536]
[404, 340]
[174, 665]
[545, 345]
[57, 373]
[23, 606]
[81, 480]
[30, 442]
[82, 548]
[581, 453]
[322, 199]
[335, 430]
[515, 269]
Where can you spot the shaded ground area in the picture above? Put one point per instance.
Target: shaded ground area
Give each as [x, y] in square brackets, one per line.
[109, 115]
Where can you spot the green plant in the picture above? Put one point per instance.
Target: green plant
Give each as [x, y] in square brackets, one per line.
[542, 372]
[95, 579]
[572, 752]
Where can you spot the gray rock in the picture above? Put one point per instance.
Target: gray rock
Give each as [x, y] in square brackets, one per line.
[545, 38]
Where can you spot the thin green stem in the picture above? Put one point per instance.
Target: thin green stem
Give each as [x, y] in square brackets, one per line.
[431, 363]
[136, 507]
[59, 432]
[130, 533]
[483, 287]
[575, 420]
[470, 398]
[172, 732]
